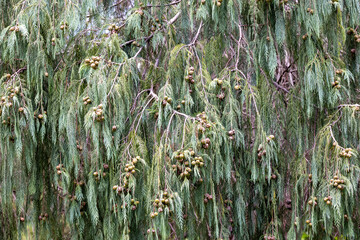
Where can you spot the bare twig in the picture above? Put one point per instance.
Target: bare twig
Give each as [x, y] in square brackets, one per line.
[137, 96]
[197, 35]
[183, 138]
[164, 5]
[172, 20]
[201, 76]
[114, 80]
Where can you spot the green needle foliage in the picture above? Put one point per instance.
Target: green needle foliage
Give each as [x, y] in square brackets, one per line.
[182, 119]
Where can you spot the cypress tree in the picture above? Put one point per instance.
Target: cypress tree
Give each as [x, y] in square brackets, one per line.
[181, 119]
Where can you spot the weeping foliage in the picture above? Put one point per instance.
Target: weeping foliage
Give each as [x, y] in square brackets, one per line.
[200, 119]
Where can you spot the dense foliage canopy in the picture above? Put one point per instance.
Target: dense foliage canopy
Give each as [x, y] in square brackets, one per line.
[183, 119]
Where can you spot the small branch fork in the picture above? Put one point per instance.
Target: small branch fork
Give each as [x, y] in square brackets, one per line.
[191, 45]
[247, 49]
[334, 122]
[174, 111]
[139, 116]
